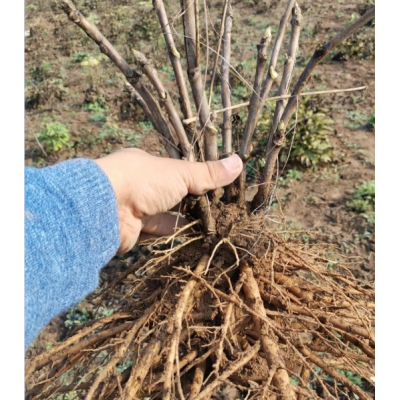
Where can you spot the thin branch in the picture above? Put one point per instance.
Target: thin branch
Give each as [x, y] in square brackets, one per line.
[105, 46]
[276, 98]
[259, 101]
[222, 30]
[279, 135]
[165, 98]
[320, 53]
[132, 76]
[271, 74]
[174, 57]
[254, 108]
[254, 103]
[165, 139]
[275, 52]
[196, 81]
[225, 86]
[282, 90]
[289, 66]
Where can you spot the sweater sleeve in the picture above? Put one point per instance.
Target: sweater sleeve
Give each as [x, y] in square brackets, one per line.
[71, 232]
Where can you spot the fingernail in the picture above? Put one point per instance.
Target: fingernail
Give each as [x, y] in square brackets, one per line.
[232, 162]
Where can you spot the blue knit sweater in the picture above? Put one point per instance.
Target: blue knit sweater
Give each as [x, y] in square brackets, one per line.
[71, 232]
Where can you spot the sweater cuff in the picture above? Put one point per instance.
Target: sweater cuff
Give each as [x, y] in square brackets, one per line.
[87, 186]
[71, 232]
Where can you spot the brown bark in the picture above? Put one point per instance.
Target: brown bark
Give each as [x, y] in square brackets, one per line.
[227, 4]
[44, 358]
[254, 108]
[139, 371]
[83, 344]
[250, 126]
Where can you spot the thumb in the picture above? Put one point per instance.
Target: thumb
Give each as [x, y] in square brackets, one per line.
[203, 176]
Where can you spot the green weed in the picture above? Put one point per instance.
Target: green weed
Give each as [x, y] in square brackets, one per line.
[103, 312]
[79, 57]
[371, 122]
[132, 137]
[364, 198]
[122, 367]
[355, 120]
[352, 376]
[360, 45]
[68, 396]
[54, 136]
[76, 317]
[145, 125]
[41, 72]
[90, 62]
[98, 108]
[350, 145]
[253, 168]
[311, 145]
[291, 175]
[109, 131]
[97, 117]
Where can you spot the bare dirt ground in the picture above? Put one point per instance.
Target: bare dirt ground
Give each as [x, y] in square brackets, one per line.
[60, 87]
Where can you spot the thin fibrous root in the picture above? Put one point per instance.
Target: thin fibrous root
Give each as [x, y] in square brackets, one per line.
[244, 358]
[43, 359]
[334, 374]
[139, 371]
[240, 325]
[157, 385]
[175, 326]
[270, 347]
[198, 378]
[109, 368]
[227, 241]
[226, 325]
[84, 344]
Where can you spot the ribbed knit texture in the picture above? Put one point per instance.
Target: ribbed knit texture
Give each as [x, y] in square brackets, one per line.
[71, 232]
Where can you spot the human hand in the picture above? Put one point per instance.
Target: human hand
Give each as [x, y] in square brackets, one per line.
[146, 187]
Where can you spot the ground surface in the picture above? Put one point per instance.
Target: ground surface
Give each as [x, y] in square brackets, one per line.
[69, 81]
